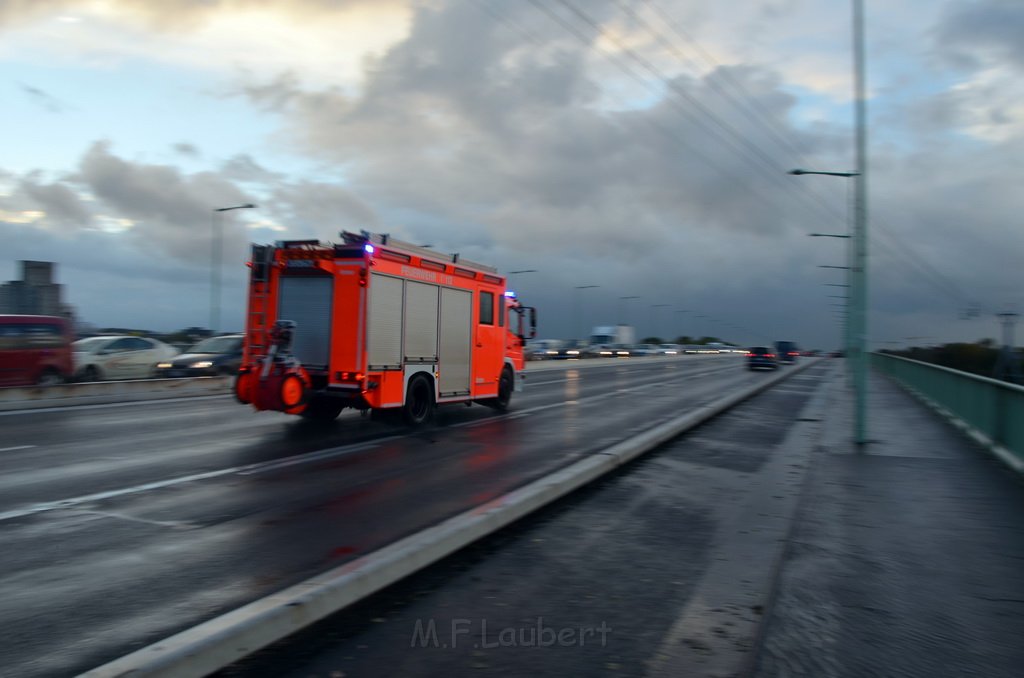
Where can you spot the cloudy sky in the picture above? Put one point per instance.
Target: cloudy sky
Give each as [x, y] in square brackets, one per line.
[638, 145]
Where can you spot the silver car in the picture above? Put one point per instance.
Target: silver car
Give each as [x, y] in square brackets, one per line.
[99, 358]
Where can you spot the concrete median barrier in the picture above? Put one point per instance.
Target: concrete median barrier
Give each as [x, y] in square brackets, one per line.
[224, 640]
[104, 392]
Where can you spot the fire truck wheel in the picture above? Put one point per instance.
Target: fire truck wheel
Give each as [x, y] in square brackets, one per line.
[504, 392]
[419, 401]
[323, 409]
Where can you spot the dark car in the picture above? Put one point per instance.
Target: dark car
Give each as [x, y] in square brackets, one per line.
[573, 349]
[210, 357]
[787, 350]
[761, 356]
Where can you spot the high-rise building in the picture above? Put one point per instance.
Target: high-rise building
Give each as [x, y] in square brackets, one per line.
[35, 293]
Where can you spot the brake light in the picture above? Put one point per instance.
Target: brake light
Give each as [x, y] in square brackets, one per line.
[793, 353]
[750, 355]
[770, 355]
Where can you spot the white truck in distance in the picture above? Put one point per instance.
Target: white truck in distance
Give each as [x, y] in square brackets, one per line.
[612, 340]
[623, 335]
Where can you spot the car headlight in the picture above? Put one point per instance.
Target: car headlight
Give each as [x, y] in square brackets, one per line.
[163, 366]
[572, 353]
[202, 364]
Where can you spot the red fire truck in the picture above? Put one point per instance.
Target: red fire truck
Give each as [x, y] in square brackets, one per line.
[375, 323]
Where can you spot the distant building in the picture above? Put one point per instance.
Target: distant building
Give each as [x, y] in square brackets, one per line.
[35, 293]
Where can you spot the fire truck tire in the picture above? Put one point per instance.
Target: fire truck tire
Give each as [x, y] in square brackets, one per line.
[419, 401]
[505, 385]
[323, 409]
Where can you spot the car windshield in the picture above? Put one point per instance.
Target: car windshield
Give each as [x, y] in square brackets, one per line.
[216, 345]
[90, 345]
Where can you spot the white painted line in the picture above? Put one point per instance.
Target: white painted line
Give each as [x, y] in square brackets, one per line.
[214, 644]
[96, 406]
[16, 447]
[246, 469]
[531, 384]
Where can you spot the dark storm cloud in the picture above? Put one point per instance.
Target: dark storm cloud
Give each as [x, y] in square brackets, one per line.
[61, 204]
[971, 31]
[323, 210]
[171, 210]
[513, 148]
[505, 141]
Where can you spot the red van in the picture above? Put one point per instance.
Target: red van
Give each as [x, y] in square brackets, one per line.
[35, 349]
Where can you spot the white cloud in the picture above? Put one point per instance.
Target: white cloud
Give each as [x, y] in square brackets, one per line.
[328, 43]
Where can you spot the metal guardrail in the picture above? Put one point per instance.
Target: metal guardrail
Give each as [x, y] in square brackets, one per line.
[991, 410]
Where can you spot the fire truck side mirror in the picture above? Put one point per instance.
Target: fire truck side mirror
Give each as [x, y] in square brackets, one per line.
[533, 322]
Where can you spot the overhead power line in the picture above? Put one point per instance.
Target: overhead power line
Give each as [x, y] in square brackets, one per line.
[700, 114]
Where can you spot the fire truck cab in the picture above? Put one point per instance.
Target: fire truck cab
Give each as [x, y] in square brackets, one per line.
[375, 323]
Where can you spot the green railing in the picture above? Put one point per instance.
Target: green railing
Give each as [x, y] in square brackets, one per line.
[989, 407]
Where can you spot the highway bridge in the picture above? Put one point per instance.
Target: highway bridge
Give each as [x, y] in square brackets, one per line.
[676, 516]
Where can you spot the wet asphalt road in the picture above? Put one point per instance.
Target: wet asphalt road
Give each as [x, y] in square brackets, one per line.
[660, 569]
[122, 525]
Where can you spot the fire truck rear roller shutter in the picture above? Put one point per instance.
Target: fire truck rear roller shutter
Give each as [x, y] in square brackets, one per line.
[384, 334]
[456, 336]
[421, 304]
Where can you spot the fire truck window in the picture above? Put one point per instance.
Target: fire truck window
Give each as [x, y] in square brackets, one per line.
[502, 310]
[486, 308]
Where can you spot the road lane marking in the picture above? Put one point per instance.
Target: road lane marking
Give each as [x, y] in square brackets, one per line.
[173, 524]
[245, 469]
[95, 406]
[16, 447]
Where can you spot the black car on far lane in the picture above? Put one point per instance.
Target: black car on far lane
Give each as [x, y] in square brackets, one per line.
[209, 358]
[761, 356]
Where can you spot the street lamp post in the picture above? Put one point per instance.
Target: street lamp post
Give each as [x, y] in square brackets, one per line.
[859, 277]
[216, 261]
[578, 306]
[859, 256]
